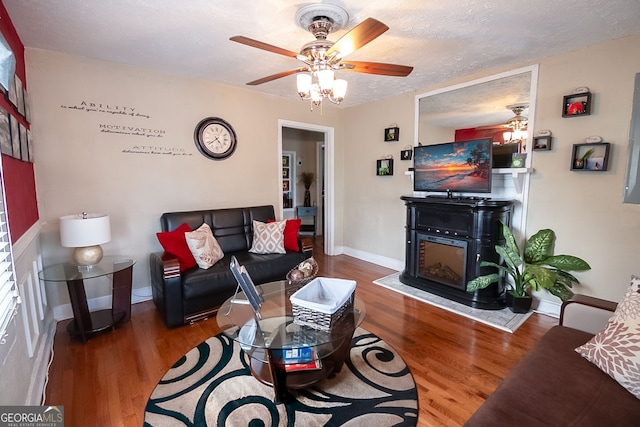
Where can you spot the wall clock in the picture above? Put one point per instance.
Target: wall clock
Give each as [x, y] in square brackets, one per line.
[215, 138]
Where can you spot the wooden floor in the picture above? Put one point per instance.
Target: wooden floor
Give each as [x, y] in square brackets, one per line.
[456, 362]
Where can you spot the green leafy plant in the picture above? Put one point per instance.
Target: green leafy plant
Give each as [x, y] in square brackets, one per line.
[536, 268]
[587, 154]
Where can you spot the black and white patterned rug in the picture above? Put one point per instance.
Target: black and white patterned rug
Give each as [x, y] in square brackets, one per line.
[211, 385]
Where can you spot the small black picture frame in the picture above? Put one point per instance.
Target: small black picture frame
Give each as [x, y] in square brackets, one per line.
[384, 167]
[392, 134]
[576, 105]
[406, 154]
[590, 157]
[542, 143]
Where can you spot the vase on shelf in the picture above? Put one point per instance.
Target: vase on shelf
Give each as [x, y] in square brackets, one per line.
[307, 198]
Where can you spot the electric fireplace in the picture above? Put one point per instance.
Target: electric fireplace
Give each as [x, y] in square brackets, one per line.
[447, 238]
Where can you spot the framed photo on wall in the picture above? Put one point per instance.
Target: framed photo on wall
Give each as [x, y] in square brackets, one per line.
[30, 144]
[5, 133]
[542, 143]
[592, 157]
[24, 145]
[577, 104]
[15, 136]
[19, 95]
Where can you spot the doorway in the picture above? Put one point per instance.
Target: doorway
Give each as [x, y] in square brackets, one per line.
[322, 143]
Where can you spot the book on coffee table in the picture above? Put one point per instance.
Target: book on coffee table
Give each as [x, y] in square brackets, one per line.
[299, 359]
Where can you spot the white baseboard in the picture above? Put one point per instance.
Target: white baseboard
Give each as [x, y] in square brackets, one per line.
[549, 308]
[64, 311]
[383, 261]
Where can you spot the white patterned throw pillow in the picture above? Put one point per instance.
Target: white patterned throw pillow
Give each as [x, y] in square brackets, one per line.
[204, 246]
[268, 238]
[616, 349]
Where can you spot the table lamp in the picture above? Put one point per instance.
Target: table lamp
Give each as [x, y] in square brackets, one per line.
[85, 232]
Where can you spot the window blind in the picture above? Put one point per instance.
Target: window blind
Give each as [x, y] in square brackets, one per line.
[9, 296]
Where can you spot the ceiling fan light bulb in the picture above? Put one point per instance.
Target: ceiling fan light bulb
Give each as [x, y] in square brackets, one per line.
[325, 80]
[316, 95]
[304, 85]
[518, 134]
[339, 89]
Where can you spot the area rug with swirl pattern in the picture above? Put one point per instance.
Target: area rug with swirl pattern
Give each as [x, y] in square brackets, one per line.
[211, 385]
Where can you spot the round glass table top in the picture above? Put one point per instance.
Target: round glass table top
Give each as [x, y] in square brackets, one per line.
[276, 328]
[65, 271]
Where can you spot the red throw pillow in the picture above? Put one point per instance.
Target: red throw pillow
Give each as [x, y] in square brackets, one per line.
[175, 244]
[291, 229]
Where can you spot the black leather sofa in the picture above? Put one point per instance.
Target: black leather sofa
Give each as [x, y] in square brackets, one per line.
[196, 293]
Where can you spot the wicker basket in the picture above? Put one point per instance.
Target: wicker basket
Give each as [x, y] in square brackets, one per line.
[322, 302]
[304, 280]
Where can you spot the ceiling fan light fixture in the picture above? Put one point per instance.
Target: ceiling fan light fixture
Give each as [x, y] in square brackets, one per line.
[518, 122]
[304, 85]
[325, 80]
[315, 94]
[339, 90]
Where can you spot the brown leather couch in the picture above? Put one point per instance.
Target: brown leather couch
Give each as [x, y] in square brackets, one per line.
[196, 293]
[555, 386]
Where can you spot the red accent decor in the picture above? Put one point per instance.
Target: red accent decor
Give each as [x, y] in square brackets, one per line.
[19, 178]
[175, 243]
[474, 133]
[20, 186]
[291, 229]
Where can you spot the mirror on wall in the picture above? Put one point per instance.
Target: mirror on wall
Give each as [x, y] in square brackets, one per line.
[632, 180]
[481, 107]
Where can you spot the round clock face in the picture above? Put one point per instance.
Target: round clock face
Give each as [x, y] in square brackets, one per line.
[215, 138]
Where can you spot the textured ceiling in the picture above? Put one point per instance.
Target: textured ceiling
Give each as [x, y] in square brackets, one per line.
[442, 40]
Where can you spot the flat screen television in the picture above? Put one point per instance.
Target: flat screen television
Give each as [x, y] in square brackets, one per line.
[461, 166]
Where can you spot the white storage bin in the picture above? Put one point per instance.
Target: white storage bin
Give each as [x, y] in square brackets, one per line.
[322, 301]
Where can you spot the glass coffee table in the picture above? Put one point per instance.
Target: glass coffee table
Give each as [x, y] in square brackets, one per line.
[274, 335]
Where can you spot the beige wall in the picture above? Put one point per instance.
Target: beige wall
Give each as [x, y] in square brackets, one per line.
[79, 168]
[585, 209]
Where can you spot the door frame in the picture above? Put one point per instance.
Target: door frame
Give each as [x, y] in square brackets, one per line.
[329, 177]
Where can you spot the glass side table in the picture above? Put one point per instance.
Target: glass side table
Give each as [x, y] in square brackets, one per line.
[86, 322]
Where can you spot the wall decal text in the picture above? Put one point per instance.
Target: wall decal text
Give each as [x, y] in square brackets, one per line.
[157, 150]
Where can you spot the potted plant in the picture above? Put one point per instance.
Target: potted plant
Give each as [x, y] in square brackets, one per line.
[580, 162]
[536, 268]
[307, 178]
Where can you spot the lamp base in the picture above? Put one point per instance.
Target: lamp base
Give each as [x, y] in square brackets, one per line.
[88, 255]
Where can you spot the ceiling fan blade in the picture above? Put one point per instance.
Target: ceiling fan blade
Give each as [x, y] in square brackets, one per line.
[264, 46]
[377, 68]
[276, 76]
[359, 36]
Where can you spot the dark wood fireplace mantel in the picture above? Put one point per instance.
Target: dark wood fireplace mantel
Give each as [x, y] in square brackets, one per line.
[447, 238]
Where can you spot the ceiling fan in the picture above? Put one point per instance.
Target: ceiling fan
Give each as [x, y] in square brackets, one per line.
[515, 123]
[322, 54]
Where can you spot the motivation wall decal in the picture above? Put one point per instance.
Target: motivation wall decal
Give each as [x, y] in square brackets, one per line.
[98, 107]
[136, 129]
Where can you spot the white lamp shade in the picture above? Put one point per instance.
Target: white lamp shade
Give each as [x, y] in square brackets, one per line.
[325, 79]
[339, 89]
[83, 230]
[304, 83]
